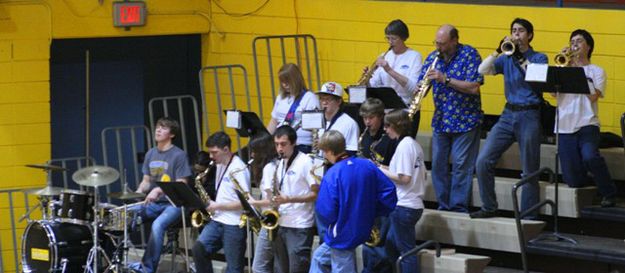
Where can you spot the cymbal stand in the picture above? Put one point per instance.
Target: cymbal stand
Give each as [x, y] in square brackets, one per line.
[95, 249]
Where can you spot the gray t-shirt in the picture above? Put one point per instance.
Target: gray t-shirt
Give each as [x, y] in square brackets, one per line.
[166, 165]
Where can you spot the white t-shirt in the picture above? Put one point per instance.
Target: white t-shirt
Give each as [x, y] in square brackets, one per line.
[297, 181]
[576, 110]
[407, 64]
[225, 190]
[281, 108]
[408, 160]
[348, 127]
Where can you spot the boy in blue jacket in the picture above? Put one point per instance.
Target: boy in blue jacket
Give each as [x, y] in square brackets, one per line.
[352, 194]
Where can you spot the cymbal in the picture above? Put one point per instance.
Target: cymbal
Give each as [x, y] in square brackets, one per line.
[47, 167]
[95, 176]
[46, 191]
[126, 195]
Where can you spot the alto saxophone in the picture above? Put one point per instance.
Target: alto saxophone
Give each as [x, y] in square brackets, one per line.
[423, 88]
[359, 153]
[364, 79]
[375, 156]
[200, 217]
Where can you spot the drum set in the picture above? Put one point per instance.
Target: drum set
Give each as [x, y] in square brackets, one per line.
[75, 226]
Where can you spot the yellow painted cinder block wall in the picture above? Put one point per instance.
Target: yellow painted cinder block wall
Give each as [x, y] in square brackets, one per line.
[350, 36]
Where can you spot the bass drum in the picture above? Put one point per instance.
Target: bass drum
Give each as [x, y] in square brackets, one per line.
[50, 246]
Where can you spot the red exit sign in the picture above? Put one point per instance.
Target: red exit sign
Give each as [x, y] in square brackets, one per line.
[128, 14]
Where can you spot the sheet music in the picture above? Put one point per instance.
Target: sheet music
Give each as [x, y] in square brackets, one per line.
[536, 72]
[312, 120]
[233, 119]
[357, 94]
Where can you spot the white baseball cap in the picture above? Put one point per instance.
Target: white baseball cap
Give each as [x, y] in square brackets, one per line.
[332, 88]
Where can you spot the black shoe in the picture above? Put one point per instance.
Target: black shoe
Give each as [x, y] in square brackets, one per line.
[483, 214]
[608, 202]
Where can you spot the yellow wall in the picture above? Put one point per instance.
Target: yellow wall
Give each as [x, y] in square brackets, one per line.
[349, 35]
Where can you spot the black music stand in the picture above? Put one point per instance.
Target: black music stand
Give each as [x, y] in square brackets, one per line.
[568, 80]
[180, 195]
[388, 96]
[250, 124]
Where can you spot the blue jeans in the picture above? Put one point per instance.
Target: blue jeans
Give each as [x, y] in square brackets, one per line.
[164, 215]
[453, 191]
[525, 128]
[294, 248]
[401, 237]
[579, 154]
[374, 259]
[214, 236]
[342, 260]
[264, 260]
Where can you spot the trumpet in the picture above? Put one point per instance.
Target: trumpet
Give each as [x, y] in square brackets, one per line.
[200, 217]
[364, 80]
[508, 46]
[423, 87]
[564, 57]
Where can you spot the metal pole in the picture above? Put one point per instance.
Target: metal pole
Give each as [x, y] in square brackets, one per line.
[87, 117]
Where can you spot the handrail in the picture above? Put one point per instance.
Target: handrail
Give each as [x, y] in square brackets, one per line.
[518, 215]
[415, 251]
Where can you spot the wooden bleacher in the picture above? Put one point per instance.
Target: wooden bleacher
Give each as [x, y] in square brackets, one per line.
[571, 200]
[459, 229]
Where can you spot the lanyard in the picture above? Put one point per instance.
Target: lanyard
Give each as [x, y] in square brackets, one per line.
[285, 169]
[290, 116]
[221, 177]
[334, 119]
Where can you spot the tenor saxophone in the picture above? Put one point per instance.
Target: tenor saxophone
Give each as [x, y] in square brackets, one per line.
[200, 217]
[364, 79]
[423, 88]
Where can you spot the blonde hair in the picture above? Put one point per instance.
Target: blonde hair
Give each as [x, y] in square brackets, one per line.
[398, 120]
[292, 75]
[332, 141]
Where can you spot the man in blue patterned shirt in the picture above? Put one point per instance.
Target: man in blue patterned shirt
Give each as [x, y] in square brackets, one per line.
[519, 121]
[457, 118]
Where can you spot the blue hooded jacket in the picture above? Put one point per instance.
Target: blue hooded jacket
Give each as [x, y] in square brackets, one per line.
[352, 194]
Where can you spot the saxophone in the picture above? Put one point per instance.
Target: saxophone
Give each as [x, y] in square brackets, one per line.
[316, 177]
[375, 156]
[268, 219]
[364, 79]
[359, 153]
[200, 217]
[422, 90]
[315, 141]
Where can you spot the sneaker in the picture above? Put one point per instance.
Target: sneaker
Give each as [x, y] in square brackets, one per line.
[608, 202]
[483, 214]
[135, 267]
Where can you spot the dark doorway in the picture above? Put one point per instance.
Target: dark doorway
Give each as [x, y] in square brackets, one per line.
[125, 73]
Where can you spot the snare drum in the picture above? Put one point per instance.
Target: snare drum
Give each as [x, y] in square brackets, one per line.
[77, 207]
[49, 246]
[112, 217]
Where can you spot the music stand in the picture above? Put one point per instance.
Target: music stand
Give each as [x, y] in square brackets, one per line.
[568, 80]
[386, 94]
[180, 195]
[249, 124]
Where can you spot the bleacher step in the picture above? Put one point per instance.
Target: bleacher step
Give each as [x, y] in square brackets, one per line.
[451, 262]
[598, 249]
[615, 214]
[459, 229]
[571, 200]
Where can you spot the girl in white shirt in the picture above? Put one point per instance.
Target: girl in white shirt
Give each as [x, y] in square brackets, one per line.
[407, 171]
[293, 99]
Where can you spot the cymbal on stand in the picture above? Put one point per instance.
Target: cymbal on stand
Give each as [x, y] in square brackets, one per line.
[47, 167]
[126, 195]
[95, 176]
[46, 191]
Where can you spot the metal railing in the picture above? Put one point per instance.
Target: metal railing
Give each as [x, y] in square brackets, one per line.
[120, 136]
[176, 107]
[72, 164]
[301, 56]
[229, 69]
[415, 251]
[13, 225]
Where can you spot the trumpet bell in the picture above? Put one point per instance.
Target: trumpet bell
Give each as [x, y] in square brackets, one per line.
[270, 219]
[508, 47]
[561, 59]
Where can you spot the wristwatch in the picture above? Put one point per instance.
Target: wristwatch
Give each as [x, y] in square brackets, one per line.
[447, 80]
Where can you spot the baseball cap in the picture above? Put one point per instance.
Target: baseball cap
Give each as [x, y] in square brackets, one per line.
[332, 88]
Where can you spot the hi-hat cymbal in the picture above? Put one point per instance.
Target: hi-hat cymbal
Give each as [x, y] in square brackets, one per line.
[47, 167]
[126, 195]
[46, 191]
[95, 176]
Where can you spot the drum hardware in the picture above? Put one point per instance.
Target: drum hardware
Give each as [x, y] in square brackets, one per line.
[47, 167]
[45, 191]
[95, 176]
[126, 195]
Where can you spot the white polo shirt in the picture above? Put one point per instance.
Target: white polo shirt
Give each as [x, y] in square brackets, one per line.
[348, 127]
[296, 180]
[408, 160]
[576, 110]
[225, 189]
[281, 108]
